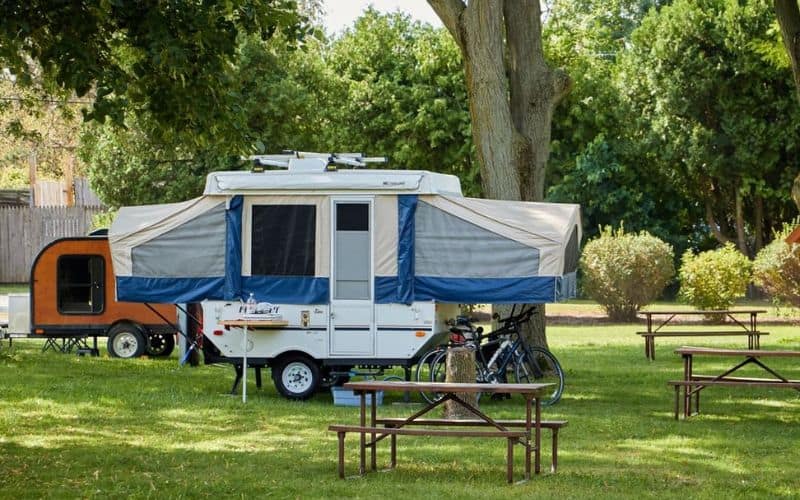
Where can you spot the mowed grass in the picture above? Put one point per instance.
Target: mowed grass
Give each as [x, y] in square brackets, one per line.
[107, 428]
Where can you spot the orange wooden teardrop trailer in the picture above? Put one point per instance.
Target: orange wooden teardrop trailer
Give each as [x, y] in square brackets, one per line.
[73, 296]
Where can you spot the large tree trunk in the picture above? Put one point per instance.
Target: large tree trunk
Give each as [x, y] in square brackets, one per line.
[512, 93]
[788, 14]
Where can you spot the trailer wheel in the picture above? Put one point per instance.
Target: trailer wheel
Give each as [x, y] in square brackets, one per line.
[160, 345]
[126, 340]
[296, 377]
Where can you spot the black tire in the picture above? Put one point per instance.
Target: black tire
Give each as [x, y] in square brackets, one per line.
[539, 365]
[126, 340]
[296, 377]
[438, 373]
[160, 345]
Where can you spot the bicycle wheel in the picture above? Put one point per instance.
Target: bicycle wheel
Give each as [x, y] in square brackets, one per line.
[539, 366]
[424, 369]
[438, 373]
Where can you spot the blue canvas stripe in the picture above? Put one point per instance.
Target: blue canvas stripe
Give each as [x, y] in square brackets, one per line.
[386, 289]
[406, 209]
[233, 249]
[287, 289]
[169, 290]
[531, 290]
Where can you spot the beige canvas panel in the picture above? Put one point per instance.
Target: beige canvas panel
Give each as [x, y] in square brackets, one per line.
[134, 226]
[386, 236]
[322, 261]
[546, 226]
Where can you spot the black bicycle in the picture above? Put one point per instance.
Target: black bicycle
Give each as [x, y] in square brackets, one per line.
[501, 356]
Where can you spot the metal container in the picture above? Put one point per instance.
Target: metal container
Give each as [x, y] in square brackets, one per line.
[19, 313]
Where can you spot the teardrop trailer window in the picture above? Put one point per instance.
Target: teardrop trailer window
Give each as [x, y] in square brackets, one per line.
[81, 283]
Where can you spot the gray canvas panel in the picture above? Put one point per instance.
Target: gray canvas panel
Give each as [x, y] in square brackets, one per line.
[447, 246]
[192, 250]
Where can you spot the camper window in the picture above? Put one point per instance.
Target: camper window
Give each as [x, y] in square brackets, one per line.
[80, 283]
[283, 240]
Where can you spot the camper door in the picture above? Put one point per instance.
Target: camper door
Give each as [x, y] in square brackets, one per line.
[352, 327]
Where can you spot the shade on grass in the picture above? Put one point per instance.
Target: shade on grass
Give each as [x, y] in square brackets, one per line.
[98, 427]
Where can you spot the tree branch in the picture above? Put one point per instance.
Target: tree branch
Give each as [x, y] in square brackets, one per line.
[712, 224]
[449, 11]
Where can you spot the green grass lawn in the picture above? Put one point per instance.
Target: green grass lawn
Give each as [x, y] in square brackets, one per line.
[107, 428]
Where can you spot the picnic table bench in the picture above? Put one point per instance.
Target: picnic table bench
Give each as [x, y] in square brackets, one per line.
[693, 383]
[737, 327]
[527, 433]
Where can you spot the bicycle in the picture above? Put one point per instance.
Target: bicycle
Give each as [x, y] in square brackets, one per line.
[505, 357]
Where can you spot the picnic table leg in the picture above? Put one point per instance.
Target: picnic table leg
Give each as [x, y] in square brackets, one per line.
[677, 400]
[510, 461]
[373, 415]
[538, 439]
[554, 463]
[687, 376]
[393, 456]
[340, 434]
[528, 413]
[362, 469]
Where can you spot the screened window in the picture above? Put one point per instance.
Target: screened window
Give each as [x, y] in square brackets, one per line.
[283, 240]
[81, 284]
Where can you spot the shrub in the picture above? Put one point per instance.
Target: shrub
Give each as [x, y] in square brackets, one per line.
[776, 269]
[714, 279]
[624, 271]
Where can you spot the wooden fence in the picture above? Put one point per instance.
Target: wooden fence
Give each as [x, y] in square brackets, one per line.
[24, 231]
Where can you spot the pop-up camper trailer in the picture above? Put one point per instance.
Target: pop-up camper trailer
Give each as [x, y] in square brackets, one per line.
[364, 265]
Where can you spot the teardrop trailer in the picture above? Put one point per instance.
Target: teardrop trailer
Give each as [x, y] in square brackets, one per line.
[365, 266]
[72, 298]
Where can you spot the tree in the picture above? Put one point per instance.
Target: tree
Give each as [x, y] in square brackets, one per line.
[717, 113]
[275, 97]
[400, 92]
[168, 59]
[594, 160]
[512, 92]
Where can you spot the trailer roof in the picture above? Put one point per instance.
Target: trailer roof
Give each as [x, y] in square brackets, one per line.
[338, 181]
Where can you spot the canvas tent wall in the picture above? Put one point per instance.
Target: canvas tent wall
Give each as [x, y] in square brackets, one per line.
[430, 242]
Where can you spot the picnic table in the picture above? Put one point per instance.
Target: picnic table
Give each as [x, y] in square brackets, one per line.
[371, 433]
[693, 383]
[731, 322]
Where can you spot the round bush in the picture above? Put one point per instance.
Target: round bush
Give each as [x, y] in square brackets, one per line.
[624, 272]
[776, 269]
[714, 279]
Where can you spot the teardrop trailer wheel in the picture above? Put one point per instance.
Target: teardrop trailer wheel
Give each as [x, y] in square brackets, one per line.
[126, 340]
[296, 377]
[160, 344]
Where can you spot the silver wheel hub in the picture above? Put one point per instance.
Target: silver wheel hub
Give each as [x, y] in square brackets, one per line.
[125, 344]
[297, 377]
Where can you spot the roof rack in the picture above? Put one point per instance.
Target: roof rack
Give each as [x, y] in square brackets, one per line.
[308, 161]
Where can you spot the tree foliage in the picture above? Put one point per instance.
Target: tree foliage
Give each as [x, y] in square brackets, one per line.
[720, 117]
[625, 271]
[401, 94]
[171, 60]
[776, 269]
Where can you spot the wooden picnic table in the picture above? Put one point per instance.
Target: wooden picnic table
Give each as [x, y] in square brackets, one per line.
[693, 383]
[449, 391]
[731, 323]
